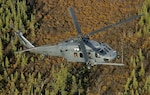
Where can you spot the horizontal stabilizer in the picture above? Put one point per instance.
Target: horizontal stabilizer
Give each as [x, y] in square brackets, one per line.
[30, 49]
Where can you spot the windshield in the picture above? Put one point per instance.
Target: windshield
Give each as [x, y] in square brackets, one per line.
[102, 52]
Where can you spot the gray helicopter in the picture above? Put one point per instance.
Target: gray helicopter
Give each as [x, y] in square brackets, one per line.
[79, 49]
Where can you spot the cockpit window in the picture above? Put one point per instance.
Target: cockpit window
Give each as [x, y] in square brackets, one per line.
[102, 52]
[108, 47]
[106, 50]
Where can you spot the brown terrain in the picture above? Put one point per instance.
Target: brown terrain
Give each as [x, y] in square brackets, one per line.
[55, 25]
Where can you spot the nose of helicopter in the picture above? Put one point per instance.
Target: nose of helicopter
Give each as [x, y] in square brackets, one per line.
[111, 56]
[114, 55]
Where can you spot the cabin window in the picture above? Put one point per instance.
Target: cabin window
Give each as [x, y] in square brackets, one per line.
[81, 55]
[61, 50]
[89, 55]
[75, 55]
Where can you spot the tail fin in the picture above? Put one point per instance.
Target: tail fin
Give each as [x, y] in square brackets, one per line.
[24, 40]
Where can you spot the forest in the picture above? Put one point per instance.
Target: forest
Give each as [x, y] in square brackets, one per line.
[45, 22]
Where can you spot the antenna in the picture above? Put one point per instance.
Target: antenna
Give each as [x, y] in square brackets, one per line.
[122, 48]
[122, 52]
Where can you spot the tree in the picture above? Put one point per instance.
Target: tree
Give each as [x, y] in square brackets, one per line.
[1, 50]
[142, 70]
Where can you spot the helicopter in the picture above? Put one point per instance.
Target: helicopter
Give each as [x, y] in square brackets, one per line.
[80, 49]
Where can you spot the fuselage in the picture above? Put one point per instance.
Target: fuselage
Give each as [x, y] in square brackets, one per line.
[70, 50]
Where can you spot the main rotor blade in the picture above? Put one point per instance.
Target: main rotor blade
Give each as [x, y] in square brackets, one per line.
[113, 25]
[75, 20]
[85, 55]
